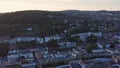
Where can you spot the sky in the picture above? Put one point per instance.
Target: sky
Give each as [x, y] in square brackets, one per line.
[58, 5]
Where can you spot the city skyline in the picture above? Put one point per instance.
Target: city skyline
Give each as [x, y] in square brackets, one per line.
[58, 5]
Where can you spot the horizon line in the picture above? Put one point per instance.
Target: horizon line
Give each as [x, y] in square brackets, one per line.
[56, 10]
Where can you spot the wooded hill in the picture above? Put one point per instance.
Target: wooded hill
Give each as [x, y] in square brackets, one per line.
[41, 22]
[55, 22]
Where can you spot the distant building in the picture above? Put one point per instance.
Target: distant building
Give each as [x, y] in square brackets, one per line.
[8, 39]
[116, 59]
[29, 29]
[13, 66]
[20, 59]
[38, 39]
[63, 66]
[67, 44]
[4, 38]
[75, 65]
[99, 51]
[30, 65]
[24, 38]
[55, 37]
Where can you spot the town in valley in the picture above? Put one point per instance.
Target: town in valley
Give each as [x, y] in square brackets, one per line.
[60, 39]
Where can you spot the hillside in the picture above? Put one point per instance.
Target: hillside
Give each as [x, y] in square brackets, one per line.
[39, 23]
[100, 20]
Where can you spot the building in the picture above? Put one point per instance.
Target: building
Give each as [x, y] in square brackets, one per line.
[20, 59]
[63, 66]
[67, 44]
[116, 59]
[29, 65]
[13, 66]
[55, 37]
[75, 64]
[4, 38]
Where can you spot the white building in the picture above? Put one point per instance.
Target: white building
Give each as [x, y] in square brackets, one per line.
[20, 39]
[6, 38]
[47, 39]
[67, 44]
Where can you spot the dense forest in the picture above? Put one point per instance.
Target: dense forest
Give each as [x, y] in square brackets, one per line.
[40, 22]
[43, 23]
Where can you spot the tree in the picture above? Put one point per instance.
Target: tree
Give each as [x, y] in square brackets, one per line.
[26, 45]
[76, 30]
[24, 61]
[52, 43]
[116, 42]
[4, 48]
[79, 40]
[76, 39]
[94, 45]
[104, 46]
[89, 48]
[112, 45]
[92, 38]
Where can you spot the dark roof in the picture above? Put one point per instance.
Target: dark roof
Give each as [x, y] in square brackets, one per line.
[100, 65]
[4, 37]
[111, 62]
[115, 66]
[75, 65]
[118, 61]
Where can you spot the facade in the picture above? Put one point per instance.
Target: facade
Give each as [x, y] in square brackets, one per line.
[67, 44]
[7, 39]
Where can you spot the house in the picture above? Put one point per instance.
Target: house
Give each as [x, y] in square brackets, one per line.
[7, 39]
[99, 51]
[41, 53]
[116, 59]
[13, 47]
[29, 29]
[63, 66]
[13, 55]
[75, 64]
[99, 45]
[4, 38]
[12, 41]
[100, 64]
[55, 37]
[13, 66]
[38, 39]
[17, 64]
[97, 63]
[29, 65]
[27, 55]
[21, 58]
[38, 55]
[67, 44]
[25, 38]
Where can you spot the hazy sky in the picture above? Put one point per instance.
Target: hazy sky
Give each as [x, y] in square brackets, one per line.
[55, 5]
